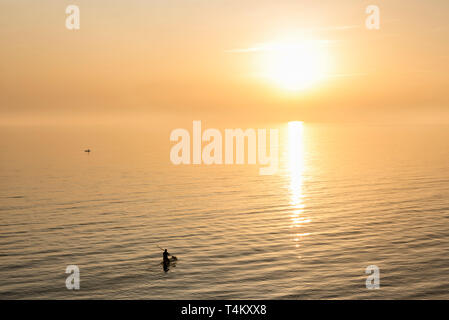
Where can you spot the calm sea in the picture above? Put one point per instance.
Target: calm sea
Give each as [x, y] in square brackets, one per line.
[345, 197]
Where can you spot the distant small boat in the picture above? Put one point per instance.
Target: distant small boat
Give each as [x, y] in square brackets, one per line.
[87, 150]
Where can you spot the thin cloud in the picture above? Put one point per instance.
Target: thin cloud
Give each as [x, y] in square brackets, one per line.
[267, 47]
[245, 50]
[347, 75]
[340, 28]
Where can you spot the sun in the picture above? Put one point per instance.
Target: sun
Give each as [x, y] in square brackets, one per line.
[295, 66]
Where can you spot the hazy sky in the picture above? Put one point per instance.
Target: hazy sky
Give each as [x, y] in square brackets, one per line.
[199, 59]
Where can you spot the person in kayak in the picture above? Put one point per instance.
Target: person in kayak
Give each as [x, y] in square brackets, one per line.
[165, 256]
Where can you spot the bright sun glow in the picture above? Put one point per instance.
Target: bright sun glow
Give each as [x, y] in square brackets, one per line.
[295, 66]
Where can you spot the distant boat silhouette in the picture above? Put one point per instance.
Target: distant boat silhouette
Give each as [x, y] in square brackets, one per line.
[87, 150]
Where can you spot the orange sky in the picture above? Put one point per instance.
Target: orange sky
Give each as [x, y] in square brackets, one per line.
[189, 59]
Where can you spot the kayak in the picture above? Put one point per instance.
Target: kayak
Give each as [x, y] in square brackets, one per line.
[170, 260]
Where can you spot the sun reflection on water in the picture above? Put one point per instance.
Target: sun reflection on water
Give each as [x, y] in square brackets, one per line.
[296, 170]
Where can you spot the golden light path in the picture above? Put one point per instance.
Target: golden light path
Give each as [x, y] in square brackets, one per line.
[296, 169]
